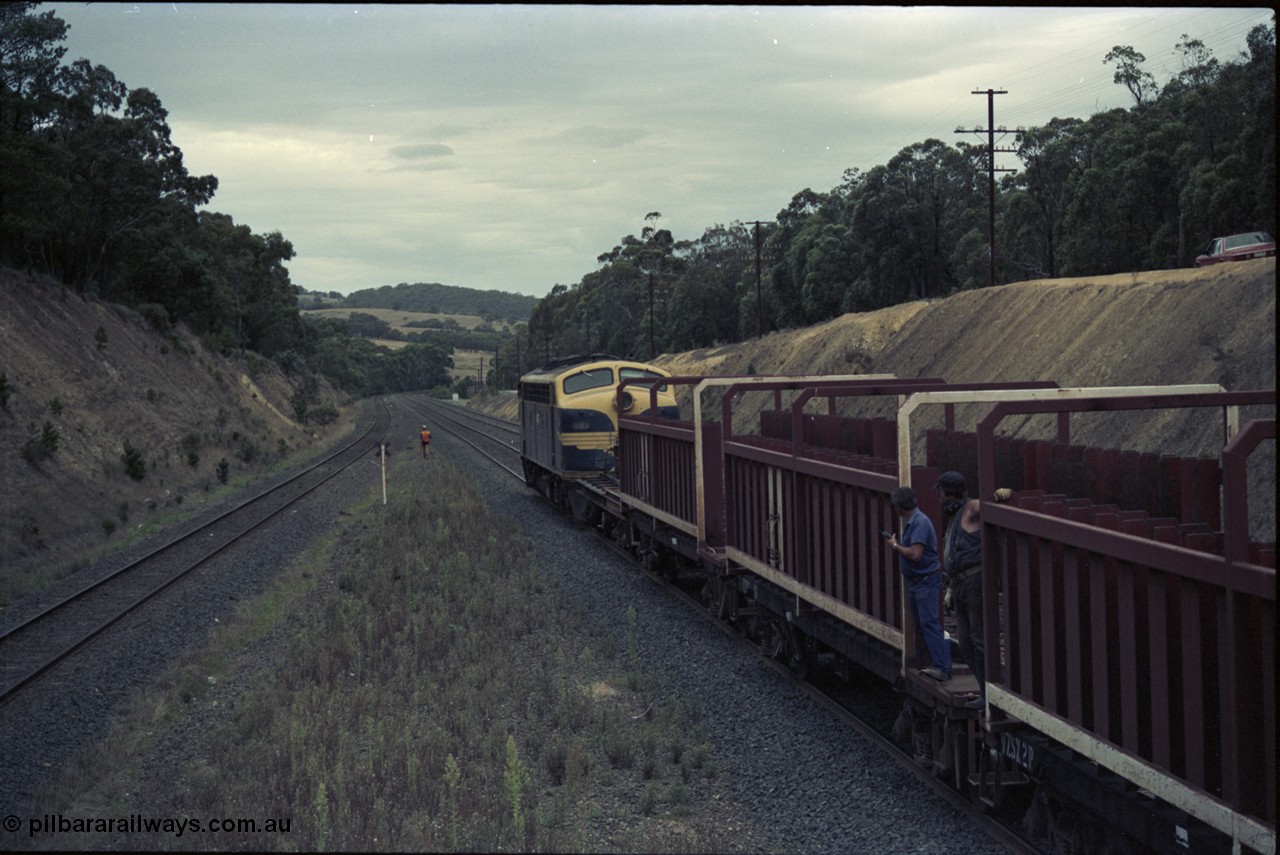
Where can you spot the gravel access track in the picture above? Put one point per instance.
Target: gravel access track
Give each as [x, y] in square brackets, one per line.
[77, 701]
[807, 781]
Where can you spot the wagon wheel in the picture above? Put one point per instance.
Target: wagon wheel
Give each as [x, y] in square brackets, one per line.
[668, 566]
[801, 658]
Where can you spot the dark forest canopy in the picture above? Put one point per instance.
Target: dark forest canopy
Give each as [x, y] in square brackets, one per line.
[94, 193]
[444, 299]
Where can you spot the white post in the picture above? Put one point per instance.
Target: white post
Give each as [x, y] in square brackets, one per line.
[384, 473]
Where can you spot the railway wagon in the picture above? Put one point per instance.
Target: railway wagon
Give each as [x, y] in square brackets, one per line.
[1126, 633]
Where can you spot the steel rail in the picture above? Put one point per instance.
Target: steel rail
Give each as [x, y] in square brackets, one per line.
[498, 422]
[42, 618]
[462, 431]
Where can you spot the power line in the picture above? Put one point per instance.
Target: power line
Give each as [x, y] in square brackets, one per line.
[990, 131]
[1079, 100]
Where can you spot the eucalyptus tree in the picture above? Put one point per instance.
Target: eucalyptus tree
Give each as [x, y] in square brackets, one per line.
[1092, 214]
[1035, 197]
[780, 295]
[908, 218]
[613, 300]
[700, 311]
[1259, 141]
[122, 171]
[1130, 73]
[30, 59]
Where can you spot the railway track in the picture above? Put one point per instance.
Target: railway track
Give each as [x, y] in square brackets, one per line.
[493, 431]
[32, 648]
[499, 439]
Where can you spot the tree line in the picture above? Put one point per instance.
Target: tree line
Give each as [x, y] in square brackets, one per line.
[1130, 189]
[437, 299]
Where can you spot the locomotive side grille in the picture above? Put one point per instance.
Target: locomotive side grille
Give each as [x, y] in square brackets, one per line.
[537, 393]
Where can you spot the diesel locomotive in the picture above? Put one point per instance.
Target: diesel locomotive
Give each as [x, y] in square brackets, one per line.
[1130, 651]
[569, 412]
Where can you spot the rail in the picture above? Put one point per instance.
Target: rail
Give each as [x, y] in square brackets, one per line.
[30, 649]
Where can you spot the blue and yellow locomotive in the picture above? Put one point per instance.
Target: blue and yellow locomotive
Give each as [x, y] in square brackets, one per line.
[569, 416]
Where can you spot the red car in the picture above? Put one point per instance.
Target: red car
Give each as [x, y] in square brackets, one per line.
[1237, 248]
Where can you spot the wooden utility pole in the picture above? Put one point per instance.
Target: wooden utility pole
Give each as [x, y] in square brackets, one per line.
[990, 131]
[759, 304]
[652, 352]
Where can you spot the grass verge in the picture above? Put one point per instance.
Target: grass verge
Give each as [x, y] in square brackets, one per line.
[415, 684]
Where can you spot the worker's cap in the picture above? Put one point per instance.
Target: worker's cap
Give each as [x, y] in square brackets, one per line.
[951, 482]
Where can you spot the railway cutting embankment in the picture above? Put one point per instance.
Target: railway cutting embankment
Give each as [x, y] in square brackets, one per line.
[1163, 327]
[1215, 325]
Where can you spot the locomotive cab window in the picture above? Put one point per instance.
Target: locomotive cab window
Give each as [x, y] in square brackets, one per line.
[594, 378]
[633, 373]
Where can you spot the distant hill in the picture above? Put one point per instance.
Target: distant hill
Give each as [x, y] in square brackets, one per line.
[440, 299]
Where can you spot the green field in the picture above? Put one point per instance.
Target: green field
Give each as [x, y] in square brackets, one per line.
[465, 362]
[398, 319]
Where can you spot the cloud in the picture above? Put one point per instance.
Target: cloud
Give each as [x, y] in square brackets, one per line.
[597, 136]
[420, 152]
[507, 146]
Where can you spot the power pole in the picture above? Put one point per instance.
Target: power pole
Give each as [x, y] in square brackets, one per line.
[651, 351]
[990, 131]
[759, 305]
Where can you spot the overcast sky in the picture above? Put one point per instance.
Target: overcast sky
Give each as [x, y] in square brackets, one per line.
[505, 147]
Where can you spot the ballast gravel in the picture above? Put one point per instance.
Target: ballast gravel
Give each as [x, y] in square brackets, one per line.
[805, 780]
[800, 779]
[76, 703]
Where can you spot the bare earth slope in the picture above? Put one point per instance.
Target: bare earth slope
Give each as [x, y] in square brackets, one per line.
[1157, 328]
[1216, 325]
[1171, 326]
[129, 383]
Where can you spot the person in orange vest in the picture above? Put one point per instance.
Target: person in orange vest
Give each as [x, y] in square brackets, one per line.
[426, 440]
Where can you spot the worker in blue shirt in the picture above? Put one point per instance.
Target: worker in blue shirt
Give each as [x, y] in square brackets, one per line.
[917, 551]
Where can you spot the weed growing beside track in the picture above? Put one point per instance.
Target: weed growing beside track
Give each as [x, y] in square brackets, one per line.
[425, 688]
